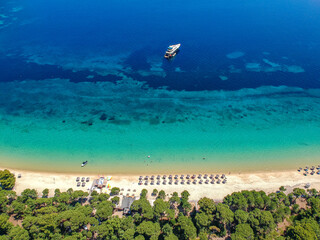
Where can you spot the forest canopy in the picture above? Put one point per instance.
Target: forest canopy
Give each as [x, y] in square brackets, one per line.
[77, 215]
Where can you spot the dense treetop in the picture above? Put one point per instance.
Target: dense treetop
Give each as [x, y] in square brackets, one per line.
[7, 179]
[241, 215]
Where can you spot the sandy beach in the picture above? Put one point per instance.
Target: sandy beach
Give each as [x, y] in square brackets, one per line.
[265, 181]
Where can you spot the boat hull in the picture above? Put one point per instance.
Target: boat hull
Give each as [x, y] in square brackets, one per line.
[170, 54]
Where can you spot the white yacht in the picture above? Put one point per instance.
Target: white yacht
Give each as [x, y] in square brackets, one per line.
[172, 51]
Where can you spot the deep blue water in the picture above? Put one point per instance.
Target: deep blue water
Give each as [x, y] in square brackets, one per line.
[285, 32]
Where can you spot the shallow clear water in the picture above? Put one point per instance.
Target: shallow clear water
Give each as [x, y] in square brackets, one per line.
[88, 81]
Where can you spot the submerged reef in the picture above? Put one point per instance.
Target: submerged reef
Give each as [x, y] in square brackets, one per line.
[127, 101]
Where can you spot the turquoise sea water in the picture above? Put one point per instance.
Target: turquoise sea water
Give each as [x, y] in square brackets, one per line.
[87, 81]
[268, 128]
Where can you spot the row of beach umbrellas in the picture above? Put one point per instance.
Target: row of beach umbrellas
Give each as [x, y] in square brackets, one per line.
[189, 181]
[83, 179]
[182, 177]
[312, 171]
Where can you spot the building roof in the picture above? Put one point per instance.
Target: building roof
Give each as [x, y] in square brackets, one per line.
[100, 183]
[127, 201]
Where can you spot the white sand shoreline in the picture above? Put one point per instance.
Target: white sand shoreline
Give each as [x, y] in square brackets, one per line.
[265, 181]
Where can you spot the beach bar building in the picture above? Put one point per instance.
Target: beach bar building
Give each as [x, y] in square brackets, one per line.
[100, 183]
[126, 204]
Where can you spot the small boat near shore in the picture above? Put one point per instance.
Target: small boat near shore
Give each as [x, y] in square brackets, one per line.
[172, 51]
[84, 163]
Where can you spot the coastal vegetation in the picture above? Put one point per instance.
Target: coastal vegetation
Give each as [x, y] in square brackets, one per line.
[78, 215]
[7, 179]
